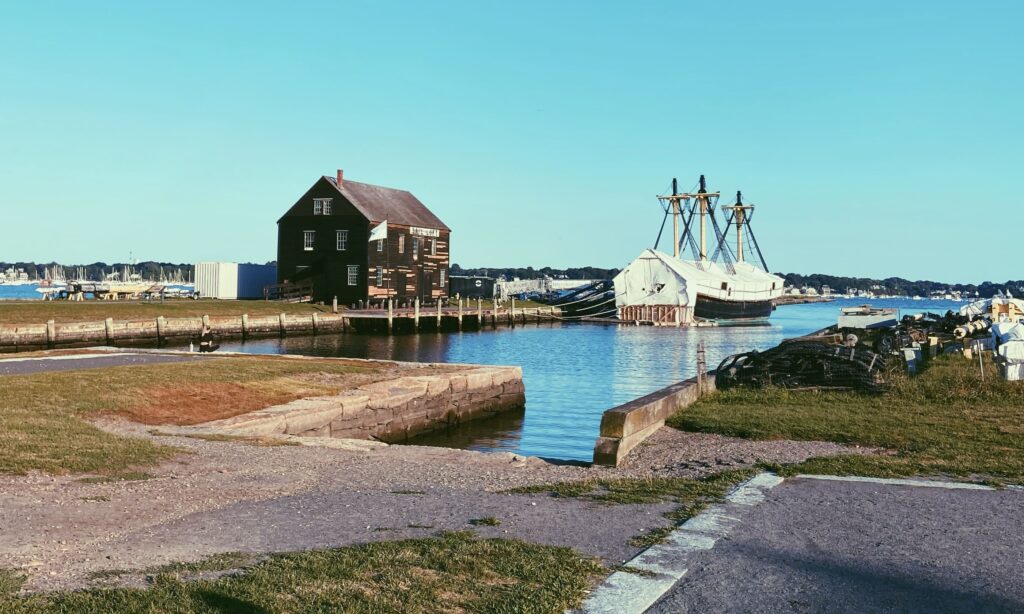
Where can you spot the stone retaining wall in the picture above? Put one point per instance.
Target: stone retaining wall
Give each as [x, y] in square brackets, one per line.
[625, 426]
[390, 411]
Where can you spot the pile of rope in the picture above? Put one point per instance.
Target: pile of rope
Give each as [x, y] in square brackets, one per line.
[805, 365]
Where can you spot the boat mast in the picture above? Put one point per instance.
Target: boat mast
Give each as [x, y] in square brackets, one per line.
[675, 218]
[704, 201]
[740, 217]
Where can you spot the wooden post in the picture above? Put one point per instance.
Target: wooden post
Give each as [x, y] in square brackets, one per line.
[334, 305]
[316, 322]
[460, 314]
[108, 327]
[416, 314]
[391, 316]
[245, 325]
[280, 322]
[512, 313]
[51, 332]
[161, 324]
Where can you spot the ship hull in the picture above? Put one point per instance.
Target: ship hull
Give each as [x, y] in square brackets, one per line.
[708, 308]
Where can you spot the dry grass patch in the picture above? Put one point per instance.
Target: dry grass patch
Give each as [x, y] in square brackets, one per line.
[42, 424]
[454, 572]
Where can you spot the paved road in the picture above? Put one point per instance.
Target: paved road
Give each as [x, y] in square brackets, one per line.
[21, 366]
[826, 546]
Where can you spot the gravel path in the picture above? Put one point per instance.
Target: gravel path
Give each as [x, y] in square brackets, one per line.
[225, 496]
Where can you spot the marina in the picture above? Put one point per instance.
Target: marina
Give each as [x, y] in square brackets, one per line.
[572, 371]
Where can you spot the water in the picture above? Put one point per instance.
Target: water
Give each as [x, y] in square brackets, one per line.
[25, 291]
[572, 372]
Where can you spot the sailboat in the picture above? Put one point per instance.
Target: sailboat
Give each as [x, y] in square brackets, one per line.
[723, 284]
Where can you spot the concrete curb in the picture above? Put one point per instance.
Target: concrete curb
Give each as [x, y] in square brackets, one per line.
[624, 592]
[898, 482]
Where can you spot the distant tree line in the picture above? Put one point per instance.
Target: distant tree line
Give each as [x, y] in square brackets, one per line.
[587, 272]
[900, 287]
[891, 285]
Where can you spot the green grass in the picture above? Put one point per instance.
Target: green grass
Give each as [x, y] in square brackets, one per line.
[42, 424]
[486, 521]
[10, 583]
[690, 496]
[946, 421]
[16, 313]
[451, 572]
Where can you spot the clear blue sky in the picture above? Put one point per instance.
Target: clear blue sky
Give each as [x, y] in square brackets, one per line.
[878, 138]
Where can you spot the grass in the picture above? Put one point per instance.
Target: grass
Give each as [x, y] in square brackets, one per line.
[449, 573]
[16, 313]
[486, 521]
[946, 421]
[43, 416]
[690, 496]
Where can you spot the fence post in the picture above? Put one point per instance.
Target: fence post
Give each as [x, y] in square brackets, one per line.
[51, 332]
[460, 314]
[245, 325]
[334, 305]
[161, 324]
[108, 328]
[280, 321]
[416, 315]
[391, 315]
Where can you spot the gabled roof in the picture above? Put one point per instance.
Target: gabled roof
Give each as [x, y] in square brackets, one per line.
[378, 203]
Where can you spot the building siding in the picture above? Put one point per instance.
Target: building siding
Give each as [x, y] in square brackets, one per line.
[404, 277]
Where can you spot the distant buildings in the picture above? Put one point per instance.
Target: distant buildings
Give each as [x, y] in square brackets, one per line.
[323, 239]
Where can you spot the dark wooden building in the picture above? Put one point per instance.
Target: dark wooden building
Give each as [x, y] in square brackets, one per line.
[324, 239]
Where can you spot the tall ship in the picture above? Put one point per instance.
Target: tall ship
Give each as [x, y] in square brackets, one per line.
[713, 273]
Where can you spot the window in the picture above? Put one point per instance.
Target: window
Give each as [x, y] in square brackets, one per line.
[433, 247]
[308, 239]
[342, 239]
[442, 278]
[380, 245]
[321, 206]
[415, 248]
[401, 244]
[353, 275]
[380, 276]
[725, 285]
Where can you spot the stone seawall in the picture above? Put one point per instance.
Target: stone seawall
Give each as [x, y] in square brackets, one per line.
[390, 411]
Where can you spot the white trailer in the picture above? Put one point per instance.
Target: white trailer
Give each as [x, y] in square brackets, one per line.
[231, 280]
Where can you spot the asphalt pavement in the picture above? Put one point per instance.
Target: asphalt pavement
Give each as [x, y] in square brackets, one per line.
[72, 362]
[844, 546]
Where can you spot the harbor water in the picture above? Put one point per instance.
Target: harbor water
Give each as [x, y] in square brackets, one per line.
[572, 372]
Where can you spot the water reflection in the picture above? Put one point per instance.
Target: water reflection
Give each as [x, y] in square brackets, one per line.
[572, 372]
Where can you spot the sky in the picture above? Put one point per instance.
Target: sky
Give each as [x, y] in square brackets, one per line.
[876, 139]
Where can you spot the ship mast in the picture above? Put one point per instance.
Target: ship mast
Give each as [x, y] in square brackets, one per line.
[740, 217]
[704, 205]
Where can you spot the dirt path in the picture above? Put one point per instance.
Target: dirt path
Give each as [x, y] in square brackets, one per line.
[227, 496]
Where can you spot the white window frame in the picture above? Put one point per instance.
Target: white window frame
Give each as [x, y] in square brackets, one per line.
[353, 274]
[442, 278]
[341, 240]
[380, 245]
[308, 240]
[380, 276]
[415, 248]
[401, 243]
[433, 247]
[321, 206]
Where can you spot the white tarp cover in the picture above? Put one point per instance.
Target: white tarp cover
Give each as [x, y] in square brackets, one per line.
[1013, 351]
[651, 279]
[655, 278]
[984, 306]
[1004, 332]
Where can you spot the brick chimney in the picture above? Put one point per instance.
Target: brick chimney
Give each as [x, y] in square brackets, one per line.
[341, 177]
